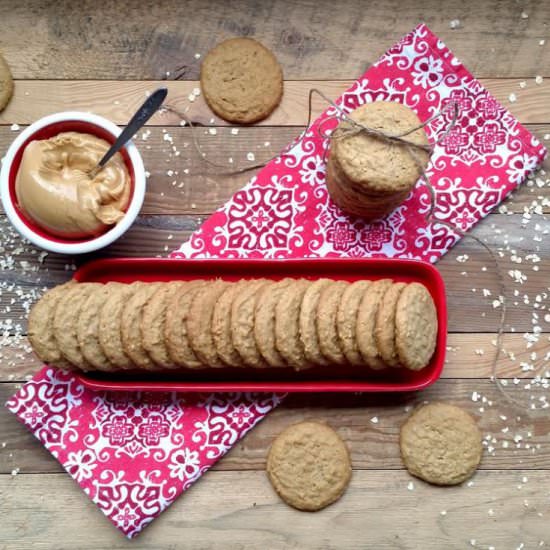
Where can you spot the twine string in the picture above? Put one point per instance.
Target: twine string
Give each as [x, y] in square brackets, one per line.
[353, 128]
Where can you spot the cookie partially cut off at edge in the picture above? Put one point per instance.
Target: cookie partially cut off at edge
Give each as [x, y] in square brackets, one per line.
[441, 444]
[415, 326]
[241, 80]
[309, 466]
[6, 83]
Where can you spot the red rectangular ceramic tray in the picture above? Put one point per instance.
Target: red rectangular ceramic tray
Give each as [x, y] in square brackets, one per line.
[318, 379]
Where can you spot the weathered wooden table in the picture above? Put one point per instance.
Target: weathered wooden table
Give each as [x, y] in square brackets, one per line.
[102, 57]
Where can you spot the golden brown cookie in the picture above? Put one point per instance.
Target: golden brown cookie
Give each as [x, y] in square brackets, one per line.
[308, 322]
[40, 327]
[87, 329]
[327, 331]
[130, 326]
[415, 326]
[346, 321]
[309, 466]
[6, 83]
[287, 325]
[66, 320]
[441, 444]
[110, 317]
[264, 321]
[366, 319]
[357, 201]
[175, 330]
[221, 325]
[153, 323]
[384, 329]
[242, 323]
[199, 322]
[375, 165]
[241, 80]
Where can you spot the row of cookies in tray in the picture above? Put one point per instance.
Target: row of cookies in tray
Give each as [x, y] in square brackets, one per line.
[257, 323]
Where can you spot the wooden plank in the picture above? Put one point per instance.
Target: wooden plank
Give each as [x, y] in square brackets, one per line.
[469, 355]
[469, 310]
[198, 187]
[119, 100]
[310, 39]
[373, 444]
[241, 510]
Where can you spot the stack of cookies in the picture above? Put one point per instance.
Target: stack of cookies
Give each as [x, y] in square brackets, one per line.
[256, 323]
[368, 176]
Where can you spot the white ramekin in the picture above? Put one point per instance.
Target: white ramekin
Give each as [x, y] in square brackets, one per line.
[89, 123]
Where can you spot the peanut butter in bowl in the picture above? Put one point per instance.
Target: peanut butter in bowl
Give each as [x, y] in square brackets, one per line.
[54, 190]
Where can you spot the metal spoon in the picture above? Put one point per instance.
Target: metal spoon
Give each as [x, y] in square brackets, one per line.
[143, 114]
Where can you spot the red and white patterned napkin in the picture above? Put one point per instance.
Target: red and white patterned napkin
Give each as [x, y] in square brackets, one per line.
[134, 454]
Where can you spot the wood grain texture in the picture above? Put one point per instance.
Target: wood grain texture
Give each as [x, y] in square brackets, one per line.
[119, 100]
[469, 310]
[373, 445]
[469, 355]
[184, 184]
[104, 56]
[312, 39]
[377, 511]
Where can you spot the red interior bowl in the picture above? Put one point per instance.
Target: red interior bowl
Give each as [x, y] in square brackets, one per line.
[50, 131]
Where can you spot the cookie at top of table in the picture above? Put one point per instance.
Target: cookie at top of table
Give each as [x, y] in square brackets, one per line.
[241, 80]
[6, 83]
[309, 466]
[441, 444]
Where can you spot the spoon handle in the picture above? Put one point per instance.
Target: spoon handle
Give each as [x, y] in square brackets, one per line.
[143, 114]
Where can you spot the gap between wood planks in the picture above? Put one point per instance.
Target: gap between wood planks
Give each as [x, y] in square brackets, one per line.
[242, 509]
[469, 356]
[369, 423]
[118, 100]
